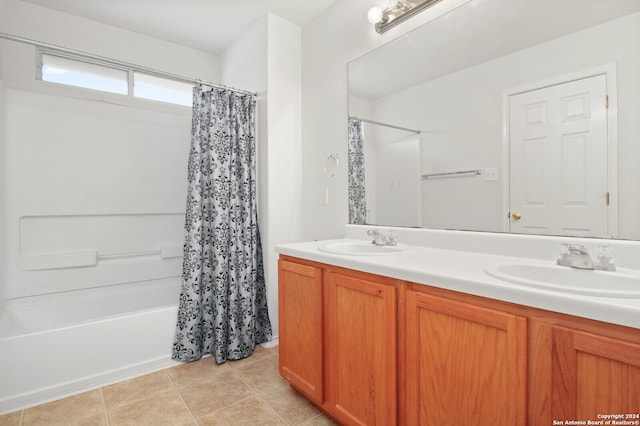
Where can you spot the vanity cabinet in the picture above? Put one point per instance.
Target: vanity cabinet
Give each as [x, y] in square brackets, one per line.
[301, 333]
[361, 349]
[371, 350]
[593, 374]
[465, 364]
[338, 343]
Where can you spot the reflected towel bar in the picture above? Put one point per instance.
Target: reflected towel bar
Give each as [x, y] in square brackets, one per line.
[474, 172]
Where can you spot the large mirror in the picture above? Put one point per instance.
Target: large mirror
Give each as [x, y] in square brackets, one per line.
[502, 115]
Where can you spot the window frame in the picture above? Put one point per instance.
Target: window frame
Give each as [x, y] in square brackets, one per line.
[131, 70]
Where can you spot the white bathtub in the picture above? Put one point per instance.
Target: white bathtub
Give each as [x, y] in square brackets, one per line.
[57, 345]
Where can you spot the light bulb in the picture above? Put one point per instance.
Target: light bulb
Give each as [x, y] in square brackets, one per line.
[375, 15]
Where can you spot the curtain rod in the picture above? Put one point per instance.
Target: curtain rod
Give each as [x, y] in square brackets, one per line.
[385, 124]
[151, 71]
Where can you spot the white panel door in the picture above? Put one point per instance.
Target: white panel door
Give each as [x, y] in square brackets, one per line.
[558, 159]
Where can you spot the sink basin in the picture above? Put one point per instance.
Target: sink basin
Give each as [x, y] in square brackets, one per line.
[359, 248]
[549, 276]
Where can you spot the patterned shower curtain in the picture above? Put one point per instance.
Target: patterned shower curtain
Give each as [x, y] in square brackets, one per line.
[223, 305]
[357, 200]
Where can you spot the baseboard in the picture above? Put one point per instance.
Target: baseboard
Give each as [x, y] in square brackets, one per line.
[270, 344]
[63, 390]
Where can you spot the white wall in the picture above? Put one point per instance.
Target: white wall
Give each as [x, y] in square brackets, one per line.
[284, 150]
[86, 172]
[50, 26]
[336, 37]
[398, 182]
[266, 59]
[3, 180]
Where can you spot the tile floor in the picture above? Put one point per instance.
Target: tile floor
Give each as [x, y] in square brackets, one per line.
[246, 392]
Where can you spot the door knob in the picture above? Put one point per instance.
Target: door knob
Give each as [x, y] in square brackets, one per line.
[516, 216]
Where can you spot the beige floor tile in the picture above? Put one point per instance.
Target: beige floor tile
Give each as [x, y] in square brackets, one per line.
[250, 412]
[259, 353]
[261, 375]
[290, 405]
[11, 419]
[206, 396]
[321, 420]
[223, 394]
[136, 389]
[164, 409]
[97, 420]
[202, 369]
[75, 410]
[279, 383]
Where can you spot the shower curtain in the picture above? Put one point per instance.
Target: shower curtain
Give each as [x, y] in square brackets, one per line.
[223, 306]
[357, 200]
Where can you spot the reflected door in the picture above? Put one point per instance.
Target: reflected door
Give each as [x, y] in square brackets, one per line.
[558, 159]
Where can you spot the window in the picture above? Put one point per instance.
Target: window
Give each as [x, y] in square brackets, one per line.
[113, 78]
[83, 74]
[162, 89]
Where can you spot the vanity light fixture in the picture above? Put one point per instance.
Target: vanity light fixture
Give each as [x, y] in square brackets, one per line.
[397, 12]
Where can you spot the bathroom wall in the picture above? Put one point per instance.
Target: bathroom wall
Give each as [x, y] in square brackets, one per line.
[392, 169]
[91, 182]
[284, 215]
[336, 37]
[3, 180]
[3, 238]
[266, 59]
[42, 24]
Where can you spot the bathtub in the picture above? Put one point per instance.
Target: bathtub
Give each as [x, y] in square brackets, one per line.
[56, 345]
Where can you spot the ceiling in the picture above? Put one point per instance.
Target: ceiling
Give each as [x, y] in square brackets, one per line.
[207, 25]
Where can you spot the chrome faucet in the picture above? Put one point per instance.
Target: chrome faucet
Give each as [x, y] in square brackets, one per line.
[380, 239]
[577, 256]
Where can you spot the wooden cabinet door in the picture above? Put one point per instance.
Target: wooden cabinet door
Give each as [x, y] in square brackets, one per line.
[593, 375]
[301, 327]
[465, 364]
[362, 350]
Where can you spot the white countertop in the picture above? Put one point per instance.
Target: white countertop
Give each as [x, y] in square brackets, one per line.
[463, 271]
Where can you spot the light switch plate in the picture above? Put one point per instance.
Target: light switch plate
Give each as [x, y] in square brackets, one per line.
[491, 174]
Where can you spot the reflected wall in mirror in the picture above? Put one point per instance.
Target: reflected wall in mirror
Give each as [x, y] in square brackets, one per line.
[542, 98]
[384, 185]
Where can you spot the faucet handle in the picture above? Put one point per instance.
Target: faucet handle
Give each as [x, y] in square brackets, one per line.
[381, 238]
[565, 255]
[578, 249]
[377, 237]
[605, 258]
[391, 240]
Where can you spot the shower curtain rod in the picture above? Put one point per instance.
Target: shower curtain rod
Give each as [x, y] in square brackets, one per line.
[384, 124]
[150, 71]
